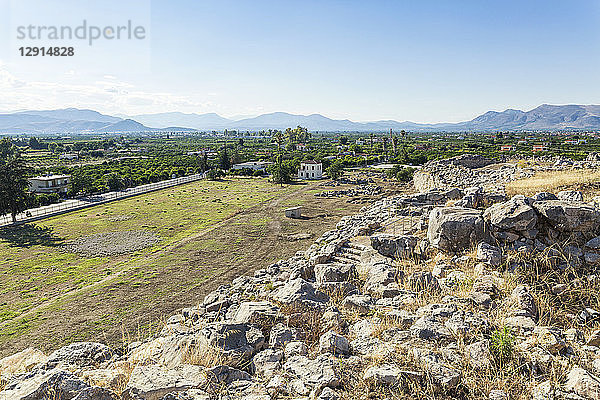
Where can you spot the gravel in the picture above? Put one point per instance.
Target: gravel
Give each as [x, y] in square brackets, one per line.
[111, 243]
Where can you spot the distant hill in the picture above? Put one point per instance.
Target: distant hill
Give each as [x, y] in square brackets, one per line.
[71, 120]
[73, 114]
[198, 121]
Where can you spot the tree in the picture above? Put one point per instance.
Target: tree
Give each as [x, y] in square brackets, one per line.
[203, 165]
[282, 172]
[335, 170]
[14, 196]
[52, 147]
[344, 140]
[224, 160]
[35, 144]
[214, 174]
[82, 183]
[114, 182]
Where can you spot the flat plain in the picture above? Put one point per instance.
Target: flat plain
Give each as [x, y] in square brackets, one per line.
[203, 234]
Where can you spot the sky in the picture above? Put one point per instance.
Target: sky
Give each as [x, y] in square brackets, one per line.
[423, 61]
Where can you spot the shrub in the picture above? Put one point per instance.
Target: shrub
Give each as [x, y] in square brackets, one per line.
[502, 343]
[214, 174]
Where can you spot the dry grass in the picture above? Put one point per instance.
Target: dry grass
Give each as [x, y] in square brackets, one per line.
[587, 181]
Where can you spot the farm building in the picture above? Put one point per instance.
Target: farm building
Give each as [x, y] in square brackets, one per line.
[310, 170]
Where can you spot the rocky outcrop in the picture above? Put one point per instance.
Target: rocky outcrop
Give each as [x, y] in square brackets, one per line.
[464, 171]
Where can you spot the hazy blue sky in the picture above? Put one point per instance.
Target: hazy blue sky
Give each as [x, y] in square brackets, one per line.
[425, 61]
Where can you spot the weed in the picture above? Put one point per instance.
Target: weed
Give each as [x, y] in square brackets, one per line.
[502, 343]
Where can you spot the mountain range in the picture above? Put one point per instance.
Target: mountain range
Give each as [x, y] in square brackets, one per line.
[72, 120]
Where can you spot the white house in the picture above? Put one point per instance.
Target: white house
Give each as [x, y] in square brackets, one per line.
[255, 165]
[68, 156]
[310, 170]
[50, 184]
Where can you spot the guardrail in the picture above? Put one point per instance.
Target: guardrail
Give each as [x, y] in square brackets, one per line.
[93, 200]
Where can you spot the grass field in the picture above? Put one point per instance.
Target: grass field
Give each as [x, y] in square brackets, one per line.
[587, 181]
[209, 232]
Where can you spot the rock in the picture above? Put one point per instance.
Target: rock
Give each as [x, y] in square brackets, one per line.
[245, 390]
[583, 383]
[520, 323]
[570, 195]
[467, 323]
[260, 313]
[152, 382]
[80, 354]
[232, 342]
[300, 292]
[594, 338]
[316, 374]
[280, 335]
[358, 303]
[549, 339]
[393, 246]
[332, 319]
[22, 361]
[190, 394]
[429, 328]
[41, 384]
[498, 395]
[333, 272]
[389, 375]
[295, 348]
[334, 343]
[444, 377]
[525, 302]
[591, 258]
[381, 280]
[225, 375]
[567, 216]
[479, 355]
[588, 315]
[484, 290]
[558, 289]
[512, 215]
[267, 362]
[328, 394]
[543, 196]
[166, 350]
[489, 254]
[574, 335]
[112, 378]
[593, 243]
[453, 229]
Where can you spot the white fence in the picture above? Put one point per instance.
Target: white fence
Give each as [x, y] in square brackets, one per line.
[88, 201]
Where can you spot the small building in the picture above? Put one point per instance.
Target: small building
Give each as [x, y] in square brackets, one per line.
[254, 165]
[539, 147]
[293, 212]
[310, 170]
[50, 184]
[68, 156]
[507, 147]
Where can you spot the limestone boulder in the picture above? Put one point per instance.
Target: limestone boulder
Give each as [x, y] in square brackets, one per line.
[454, 229]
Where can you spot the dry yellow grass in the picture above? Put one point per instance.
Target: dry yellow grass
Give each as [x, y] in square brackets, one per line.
[552, 181]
